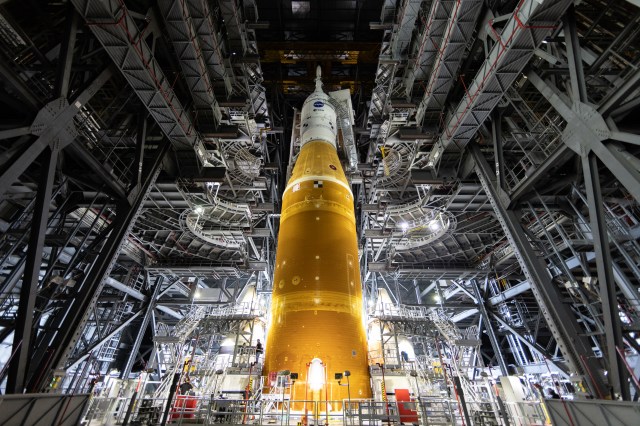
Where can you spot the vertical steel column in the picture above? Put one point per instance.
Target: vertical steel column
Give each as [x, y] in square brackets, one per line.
[143, 327]
[560, 319]
[496, 133]
[141, 137]
[18, 365]
[172, 392]
[490, 331]
[71, 319]
[574, 56]
[618, 377]
[65, 59]
[460, 392]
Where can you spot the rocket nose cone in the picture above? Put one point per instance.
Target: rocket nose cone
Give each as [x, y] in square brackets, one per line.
[318, 71]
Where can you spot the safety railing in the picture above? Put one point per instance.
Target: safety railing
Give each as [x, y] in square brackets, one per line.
[390, 311]
[425, 410]
[533, 137]
[190, 409]
[104, 147]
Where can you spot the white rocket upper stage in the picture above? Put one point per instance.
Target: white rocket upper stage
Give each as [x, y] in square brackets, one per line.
[318, 116]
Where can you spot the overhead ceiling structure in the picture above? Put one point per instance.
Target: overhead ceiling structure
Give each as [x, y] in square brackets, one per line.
[493, 152]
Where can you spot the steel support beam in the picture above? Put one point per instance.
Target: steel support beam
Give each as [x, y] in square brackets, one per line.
[428, 41]
[185, 42]
[629, 290]
[56, 125]
[113, 283]
[497, 350]
[461, 399]
[574, 57]
[509, 293]
[462, 315]
[79, 150]
[139, 296]
[617, 375]
[12, 133]
[141, 330]
[626, 137]
[527, 185]
[104, 340]
[496, 135]
[623, 36]
[620, 95]
[531, 345]
[587, 131]
[427, 290]
[241, 40]
[72, 319]
[65, 58]
[452, 49]
[22, 338]
[530, 24]
[575, 347]
[403, 30]
[210, 42]
[118, 32]
[141, 138]
[391, 55]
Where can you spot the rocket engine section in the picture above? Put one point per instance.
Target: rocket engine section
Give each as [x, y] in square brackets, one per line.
[316, 307]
